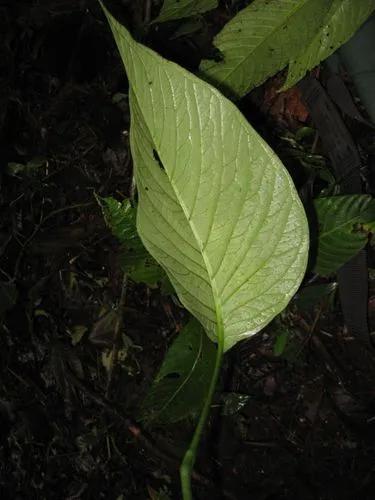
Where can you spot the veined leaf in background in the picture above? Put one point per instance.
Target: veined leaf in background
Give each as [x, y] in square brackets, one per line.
[260, 40]
[344, 226]
[120, 217]
[342, 21]
[135, 260]
[188, 27]
[180, 388]
[177, 9]
[217, 209]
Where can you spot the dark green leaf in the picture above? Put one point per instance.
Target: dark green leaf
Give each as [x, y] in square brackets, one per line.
[120, 217]
[261, 40]
[310, 296]
[344, 226]
[135, 259]
[189, 27]
[181, 385]
[342, 21]
[281, 342]
[177, 9]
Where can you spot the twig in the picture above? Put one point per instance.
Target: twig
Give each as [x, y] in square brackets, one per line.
[116, 335]
[315, 142]
[330, 364]
[129, 423]
[8, 276]
[5, 244]
[309, 329]
[133, 428]
[147, 17]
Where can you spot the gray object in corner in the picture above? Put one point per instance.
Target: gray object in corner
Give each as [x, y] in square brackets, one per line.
[358, 56]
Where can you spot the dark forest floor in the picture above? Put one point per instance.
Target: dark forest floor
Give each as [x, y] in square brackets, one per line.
[289, 426]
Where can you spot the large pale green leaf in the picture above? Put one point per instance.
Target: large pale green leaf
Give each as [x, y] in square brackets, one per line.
[344, 226]
[136, 262]
[217, 209]
[261, 39]
[342, 21]
[177, 9]
[180, 388]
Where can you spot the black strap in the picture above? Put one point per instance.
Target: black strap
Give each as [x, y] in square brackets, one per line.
[343, 153]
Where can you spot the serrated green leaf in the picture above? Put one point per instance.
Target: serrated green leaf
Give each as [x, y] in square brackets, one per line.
[180, 388]
[344, 226]
[261, 40]
[135, 260]
[342, 21]
[217, 209]
[178, 9]
[120, 217]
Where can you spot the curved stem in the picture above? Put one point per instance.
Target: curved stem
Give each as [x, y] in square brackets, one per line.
[191, 453]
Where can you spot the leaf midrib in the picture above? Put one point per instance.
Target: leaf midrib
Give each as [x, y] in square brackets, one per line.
[215, 294]
[330, 23]
[220, 334]
[250, 55]
[352, 220]
[212, 282]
